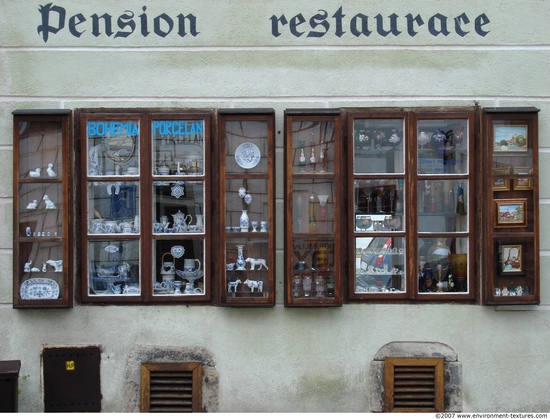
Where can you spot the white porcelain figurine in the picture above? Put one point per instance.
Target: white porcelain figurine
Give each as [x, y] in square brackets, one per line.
[33, 204]
[50, 170]
[49, 202]
[56, 264]
[27, 267]
[35, 173]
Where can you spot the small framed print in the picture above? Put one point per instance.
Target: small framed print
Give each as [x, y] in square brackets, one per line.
[523, 183]
[512, 259]
[510, 138]
[501, 183]
[511, 213]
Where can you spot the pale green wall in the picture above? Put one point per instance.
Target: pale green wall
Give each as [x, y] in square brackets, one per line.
[278, 360]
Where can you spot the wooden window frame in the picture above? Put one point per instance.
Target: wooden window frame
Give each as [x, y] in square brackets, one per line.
[412, 119]
[147, 239]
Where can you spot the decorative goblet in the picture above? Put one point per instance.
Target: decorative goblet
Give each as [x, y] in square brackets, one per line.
[423, 139]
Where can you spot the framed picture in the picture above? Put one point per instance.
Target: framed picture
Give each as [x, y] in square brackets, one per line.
[510, 138]
[512, 259]
[523, 183]
[501, 183]
[511, 213]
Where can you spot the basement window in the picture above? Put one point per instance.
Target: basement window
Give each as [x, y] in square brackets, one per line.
[171, 387]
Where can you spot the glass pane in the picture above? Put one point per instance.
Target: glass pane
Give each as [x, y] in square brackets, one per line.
[442, 205]
[378, 146]
[512, 155]
[379, 264]
[246, 146]
[42, 263]
[442, 146]
[113, 148]
[515, 267]
[113, 268]
[113, 207]
[313, 146]
[313, 269]
[313, 206]
[377, 201]
[246, 200]
[443, 265]
[40, 150]
[246, 267]
[179, 267]
[178, 147]
[178, 207]
[40, 210]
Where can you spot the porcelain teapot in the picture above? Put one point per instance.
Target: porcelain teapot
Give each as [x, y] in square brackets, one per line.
[181, 220]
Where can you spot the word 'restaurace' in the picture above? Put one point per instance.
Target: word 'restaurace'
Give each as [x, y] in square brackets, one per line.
[361, 25]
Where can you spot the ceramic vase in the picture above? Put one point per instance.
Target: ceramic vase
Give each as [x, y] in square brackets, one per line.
[240, 258]
[245, 221]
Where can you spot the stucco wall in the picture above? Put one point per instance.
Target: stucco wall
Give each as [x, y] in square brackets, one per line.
[281, 359]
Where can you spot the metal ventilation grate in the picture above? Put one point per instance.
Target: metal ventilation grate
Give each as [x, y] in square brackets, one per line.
[414, 384]
[171, 388]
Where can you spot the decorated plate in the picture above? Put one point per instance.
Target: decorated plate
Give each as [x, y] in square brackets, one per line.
[247, 155]
[39, 289]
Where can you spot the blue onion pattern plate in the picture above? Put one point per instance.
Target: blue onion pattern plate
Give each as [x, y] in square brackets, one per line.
[39, 289]
[247, 155]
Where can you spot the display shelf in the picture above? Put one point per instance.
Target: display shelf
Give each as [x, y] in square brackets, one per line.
[146, 178]
[246, 249]
[409, 191]
[511, 197]
[314, 233]
[42, 231]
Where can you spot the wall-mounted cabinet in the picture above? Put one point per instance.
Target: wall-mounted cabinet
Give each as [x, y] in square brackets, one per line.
[145, 195]
[314, 194]
[411, 206]
[246, 245]
[511, 201]
[42, 251]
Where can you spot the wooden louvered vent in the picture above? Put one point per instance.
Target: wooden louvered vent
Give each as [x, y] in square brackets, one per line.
[171, 388]
[414, 385]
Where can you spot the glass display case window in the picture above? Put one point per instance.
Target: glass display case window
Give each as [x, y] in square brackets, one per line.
[313, 233]
[511, 198]
[246, 250]
[147, 221]
[411, 225]
[42, 250]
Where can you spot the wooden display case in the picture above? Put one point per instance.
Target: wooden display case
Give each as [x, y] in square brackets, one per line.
[246, 231]
[511, 199]
[411, 181]
[145, 199]
[314, 192]
[42, 229]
